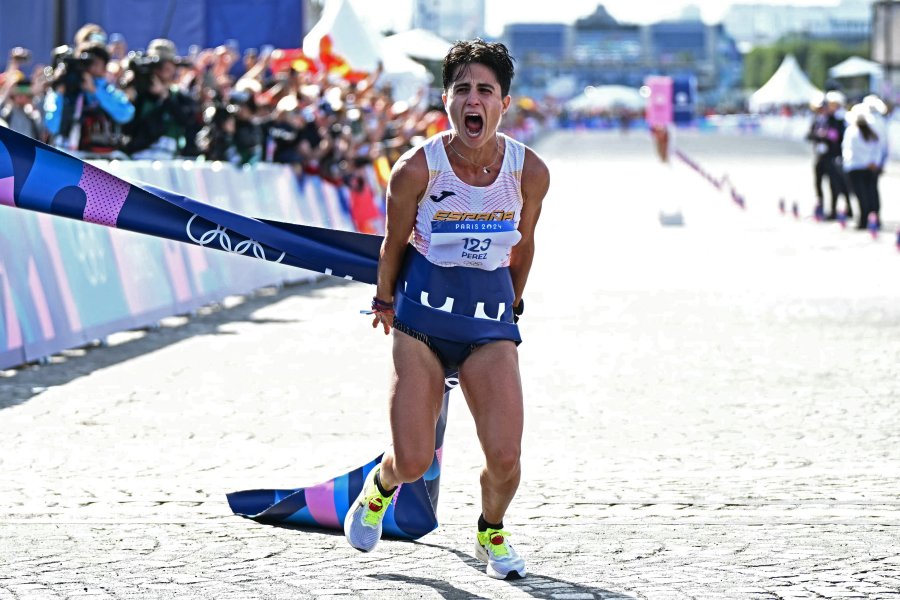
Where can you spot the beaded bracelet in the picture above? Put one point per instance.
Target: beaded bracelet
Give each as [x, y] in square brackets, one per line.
[380, 306]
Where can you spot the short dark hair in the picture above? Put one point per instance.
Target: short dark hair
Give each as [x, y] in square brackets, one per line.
[493, 55]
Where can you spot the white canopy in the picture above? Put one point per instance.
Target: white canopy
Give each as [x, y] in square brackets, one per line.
[350, 39]
[855, 66]
[418, 43]
[405, 76]
[789, 85]
[606, 97]
[364, 49]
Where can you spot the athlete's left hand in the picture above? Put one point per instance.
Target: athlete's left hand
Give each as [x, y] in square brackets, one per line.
[518, 309]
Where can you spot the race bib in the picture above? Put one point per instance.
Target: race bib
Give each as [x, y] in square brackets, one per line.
[473, 242]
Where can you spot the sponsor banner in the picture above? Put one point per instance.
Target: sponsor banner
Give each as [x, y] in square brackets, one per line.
[660, 104]
[19, 318]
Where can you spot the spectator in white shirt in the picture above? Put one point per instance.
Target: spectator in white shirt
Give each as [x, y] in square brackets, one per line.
[862, 151]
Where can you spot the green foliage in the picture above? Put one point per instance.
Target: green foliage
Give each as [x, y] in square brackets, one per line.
[814, 56]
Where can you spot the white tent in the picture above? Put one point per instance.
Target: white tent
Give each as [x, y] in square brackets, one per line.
[606, 97]
[418, 43]
[364, 49]
[405, 76]
[789, 85]
[856, 66]
[350, 39]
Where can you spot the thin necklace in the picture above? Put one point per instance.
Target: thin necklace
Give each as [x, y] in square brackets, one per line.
[486, 169]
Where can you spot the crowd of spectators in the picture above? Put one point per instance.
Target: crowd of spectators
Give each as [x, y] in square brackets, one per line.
[98, 99]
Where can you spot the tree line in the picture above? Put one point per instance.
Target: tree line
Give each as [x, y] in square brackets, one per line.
[814, 56]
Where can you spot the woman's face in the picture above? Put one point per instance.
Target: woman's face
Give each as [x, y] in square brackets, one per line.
[475, 104]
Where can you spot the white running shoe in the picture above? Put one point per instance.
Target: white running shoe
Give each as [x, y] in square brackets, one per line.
[503, 562]
[362, 526]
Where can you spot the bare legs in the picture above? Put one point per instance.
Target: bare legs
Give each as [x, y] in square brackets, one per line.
[416, 397]
[493, 390]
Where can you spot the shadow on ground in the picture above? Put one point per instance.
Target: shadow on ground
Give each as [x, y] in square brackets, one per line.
[441, 587]
[535, 584]
[30, 380]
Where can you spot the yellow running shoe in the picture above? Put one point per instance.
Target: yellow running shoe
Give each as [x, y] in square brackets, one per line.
[362, 526]
[503, 562]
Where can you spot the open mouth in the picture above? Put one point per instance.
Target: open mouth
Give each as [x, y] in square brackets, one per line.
[474, 124]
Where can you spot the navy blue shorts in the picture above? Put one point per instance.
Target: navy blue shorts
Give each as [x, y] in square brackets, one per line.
[451, 354]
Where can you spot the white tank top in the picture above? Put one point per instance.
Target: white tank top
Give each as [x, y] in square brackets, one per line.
[461, 225]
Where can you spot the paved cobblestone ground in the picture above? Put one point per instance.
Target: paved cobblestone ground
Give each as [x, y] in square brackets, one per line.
[712, 412]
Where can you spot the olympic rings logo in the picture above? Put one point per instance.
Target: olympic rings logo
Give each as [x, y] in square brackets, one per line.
[221, 234]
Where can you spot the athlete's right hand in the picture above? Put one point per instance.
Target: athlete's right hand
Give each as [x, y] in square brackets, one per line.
[384, 314]
[386, 318]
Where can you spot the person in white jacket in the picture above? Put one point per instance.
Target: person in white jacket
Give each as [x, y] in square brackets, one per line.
[863, 152]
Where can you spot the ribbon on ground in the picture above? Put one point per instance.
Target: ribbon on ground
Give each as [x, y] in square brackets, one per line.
[411, 514]
[36, 177]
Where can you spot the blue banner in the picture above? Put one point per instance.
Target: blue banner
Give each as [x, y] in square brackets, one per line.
[47, 180]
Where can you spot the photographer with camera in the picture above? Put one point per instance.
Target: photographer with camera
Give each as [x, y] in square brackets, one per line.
[163, 111]
[216, 139]
[17, 108]
[82, 110]
[248, 132]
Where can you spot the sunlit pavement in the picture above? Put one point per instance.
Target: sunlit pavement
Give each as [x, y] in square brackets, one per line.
[712, 412]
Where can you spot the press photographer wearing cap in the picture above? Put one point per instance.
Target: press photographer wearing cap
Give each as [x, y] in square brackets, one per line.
[163, 112]
[82, 110]
[17, 109]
